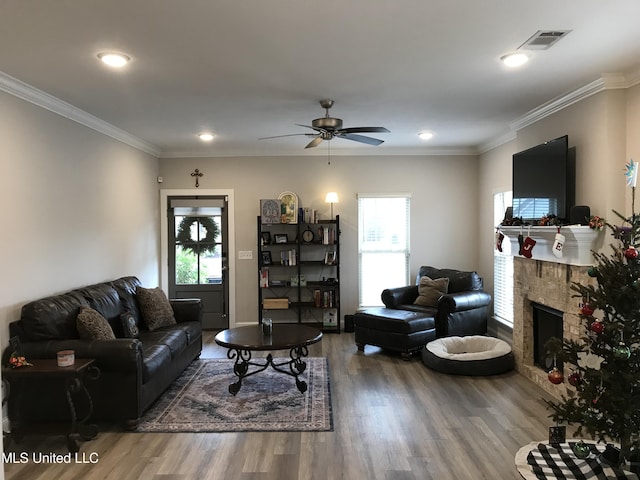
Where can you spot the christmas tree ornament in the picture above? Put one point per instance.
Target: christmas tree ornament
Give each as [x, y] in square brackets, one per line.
[597, 327]
[581, 449]
[592, 272]
[558, 244]
[586, 310]
[621, 351]
[555, 376]
[574, 379]
[631, 253]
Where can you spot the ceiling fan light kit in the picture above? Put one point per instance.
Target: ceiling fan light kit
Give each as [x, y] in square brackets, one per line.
[327, 128]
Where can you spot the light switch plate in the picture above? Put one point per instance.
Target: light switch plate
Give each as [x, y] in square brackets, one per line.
[245, 255]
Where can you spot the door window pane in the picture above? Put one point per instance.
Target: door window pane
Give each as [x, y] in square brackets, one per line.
[198, 247]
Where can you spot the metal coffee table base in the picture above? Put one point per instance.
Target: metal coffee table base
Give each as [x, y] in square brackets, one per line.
[293, 367]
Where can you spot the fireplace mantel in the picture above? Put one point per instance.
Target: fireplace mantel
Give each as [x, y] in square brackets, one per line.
[578, 245]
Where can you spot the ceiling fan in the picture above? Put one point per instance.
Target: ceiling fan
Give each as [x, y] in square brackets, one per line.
[327, 128]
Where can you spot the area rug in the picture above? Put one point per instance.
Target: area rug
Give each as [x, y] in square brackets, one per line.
[199, 401]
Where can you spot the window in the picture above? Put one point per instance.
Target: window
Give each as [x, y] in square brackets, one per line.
[502, 266]
[383, 245]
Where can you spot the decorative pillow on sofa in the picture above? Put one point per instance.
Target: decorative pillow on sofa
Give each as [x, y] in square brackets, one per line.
[155, 308]
[93, 326]
[430, 291]
[129, 326]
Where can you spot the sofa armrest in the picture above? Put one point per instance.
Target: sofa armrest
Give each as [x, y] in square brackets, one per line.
[461, 301]
[121, 354]
[394, 297]
[187, 309]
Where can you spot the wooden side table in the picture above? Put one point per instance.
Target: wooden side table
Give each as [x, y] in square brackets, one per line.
[73, 378]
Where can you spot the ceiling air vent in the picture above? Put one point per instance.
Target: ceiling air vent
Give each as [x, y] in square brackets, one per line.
[543, 39]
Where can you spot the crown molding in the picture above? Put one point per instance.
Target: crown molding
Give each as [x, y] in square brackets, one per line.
[342, 152]
[607, 81]
[26, 92]
[497, 141]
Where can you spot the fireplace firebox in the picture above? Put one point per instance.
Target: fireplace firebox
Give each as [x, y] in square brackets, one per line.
[547, 323]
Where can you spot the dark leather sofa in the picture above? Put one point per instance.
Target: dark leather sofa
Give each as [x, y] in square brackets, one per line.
[462, 311]
[134, 371]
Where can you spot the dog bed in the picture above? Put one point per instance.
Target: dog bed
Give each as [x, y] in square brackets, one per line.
[472, 355]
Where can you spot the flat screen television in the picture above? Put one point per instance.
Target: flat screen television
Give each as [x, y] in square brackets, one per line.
[544, 181]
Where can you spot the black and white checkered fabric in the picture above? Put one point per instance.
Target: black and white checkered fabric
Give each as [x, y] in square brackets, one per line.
[559, 462]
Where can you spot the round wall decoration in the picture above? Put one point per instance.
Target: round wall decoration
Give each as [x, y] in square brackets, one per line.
[203, 245]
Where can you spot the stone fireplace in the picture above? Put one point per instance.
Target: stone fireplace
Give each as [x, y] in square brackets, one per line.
[549, 284]
[546, 280]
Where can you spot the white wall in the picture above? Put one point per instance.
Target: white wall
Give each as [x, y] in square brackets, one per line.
[443, 193]
[77, 208]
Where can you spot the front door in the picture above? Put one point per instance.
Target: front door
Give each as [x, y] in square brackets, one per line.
[198, 255]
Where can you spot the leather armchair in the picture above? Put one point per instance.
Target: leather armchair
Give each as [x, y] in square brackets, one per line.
[462, 311]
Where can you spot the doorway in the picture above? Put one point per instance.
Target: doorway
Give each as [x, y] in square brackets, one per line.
[197, 254]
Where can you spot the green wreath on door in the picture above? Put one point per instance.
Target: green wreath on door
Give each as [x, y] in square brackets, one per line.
[183, 238]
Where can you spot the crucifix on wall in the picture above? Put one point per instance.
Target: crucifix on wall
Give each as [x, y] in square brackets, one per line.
[197, 174]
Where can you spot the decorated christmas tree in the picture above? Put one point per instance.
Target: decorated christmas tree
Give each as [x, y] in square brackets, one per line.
[604, 401]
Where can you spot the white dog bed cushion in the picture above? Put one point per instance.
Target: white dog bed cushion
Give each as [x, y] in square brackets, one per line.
[472, 355]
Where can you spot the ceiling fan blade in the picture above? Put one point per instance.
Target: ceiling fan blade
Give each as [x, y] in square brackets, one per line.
[317, 129]
[361, 139]
[364, 130]
[315, 142]
[280, 136]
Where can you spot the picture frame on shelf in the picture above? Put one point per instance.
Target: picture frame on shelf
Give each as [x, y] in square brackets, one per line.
[270, 211]
[288, 207]
[266, 257]
[266, 238]
[281, 238]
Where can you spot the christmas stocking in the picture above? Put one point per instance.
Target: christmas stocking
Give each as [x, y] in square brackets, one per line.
[558, 244]
[527, 246]
[499, 239]
[521, 243]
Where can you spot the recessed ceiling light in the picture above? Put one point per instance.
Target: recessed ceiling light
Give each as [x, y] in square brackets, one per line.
[426, 135]
[114, 59]
[206, 137]
[514, 59]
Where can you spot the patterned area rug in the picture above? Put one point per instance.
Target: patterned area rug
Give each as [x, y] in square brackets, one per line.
[199, 401]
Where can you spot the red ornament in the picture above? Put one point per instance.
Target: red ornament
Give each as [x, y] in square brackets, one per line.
[555, 376]
[586, 310]
[631, 253]
[574, 379]
[597, 327]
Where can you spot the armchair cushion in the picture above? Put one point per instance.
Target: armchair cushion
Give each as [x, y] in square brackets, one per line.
[430, 291]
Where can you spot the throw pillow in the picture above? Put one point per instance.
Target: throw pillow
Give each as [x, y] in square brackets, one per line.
[155, 308]
[129, 325]
[92, 325]
[430, 291]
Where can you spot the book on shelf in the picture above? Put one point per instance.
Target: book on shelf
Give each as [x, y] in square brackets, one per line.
[289, 257]
[264, 278]
[309, 215]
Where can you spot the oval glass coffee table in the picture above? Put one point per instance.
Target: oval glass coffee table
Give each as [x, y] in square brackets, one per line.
[241, 341]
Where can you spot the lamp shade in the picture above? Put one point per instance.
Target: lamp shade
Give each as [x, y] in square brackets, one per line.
[332, 197]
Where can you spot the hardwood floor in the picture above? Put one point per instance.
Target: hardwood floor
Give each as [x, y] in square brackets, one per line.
[393, 420]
